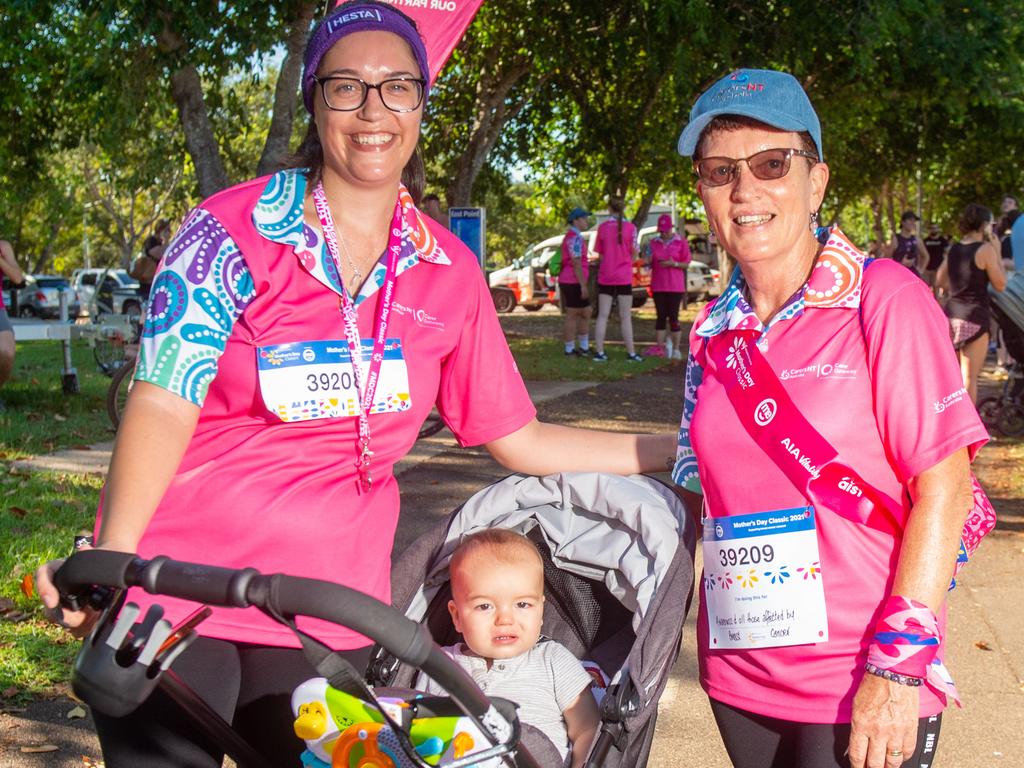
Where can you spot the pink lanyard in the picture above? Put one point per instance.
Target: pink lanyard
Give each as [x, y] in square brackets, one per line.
[368, 386]
[772, 419]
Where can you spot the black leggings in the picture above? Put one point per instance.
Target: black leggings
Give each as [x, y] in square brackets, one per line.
[249, 686]
[666, 304]
[758, 741]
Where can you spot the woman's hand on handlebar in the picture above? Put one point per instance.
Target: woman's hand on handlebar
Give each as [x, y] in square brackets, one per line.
[79, 623]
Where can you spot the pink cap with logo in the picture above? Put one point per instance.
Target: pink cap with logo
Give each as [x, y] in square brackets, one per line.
[664, 223]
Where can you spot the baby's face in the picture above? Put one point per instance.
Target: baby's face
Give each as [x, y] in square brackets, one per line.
[498, 606]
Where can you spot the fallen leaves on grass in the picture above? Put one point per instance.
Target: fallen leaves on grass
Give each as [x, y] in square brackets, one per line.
[58, 417]
[17, 511]
[76, 713]
[28, 585]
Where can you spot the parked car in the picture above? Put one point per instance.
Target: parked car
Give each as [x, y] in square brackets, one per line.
[103, 290]
[41, 297]
[526, 281]
[701, 280]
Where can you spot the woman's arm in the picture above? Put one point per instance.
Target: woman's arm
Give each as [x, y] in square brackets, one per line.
[9, 265]
[151, 440]
[942, 277]
[885, 713]
[541, 449]
[992, 263]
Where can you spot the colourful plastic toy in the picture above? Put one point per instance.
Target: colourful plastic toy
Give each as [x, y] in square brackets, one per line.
[342, 731]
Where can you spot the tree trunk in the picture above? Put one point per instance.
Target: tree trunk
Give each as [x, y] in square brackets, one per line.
[286, 93]
[187, 91]
[492, 114]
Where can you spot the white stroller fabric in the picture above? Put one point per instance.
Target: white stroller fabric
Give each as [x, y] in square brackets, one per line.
[623, 531]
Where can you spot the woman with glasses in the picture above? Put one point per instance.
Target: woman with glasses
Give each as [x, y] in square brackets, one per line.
[301, 328]
[972, 265]
[834, 490]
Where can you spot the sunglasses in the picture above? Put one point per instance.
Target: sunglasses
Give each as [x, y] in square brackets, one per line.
[767, 165]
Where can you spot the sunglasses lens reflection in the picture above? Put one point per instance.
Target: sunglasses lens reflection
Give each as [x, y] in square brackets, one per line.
[767, 165]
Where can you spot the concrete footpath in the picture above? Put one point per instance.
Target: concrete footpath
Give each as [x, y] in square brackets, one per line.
[986, 624]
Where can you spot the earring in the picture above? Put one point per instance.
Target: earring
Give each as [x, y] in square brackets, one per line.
[814, 219]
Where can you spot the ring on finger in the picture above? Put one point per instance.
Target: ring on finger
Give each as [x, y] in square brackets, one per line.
[895, 753]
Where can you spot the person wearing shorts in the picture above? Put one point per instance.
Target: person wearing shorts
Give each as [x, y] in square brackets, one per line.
[669, 255]
[616, 244]
[573, 282]
[10, 269]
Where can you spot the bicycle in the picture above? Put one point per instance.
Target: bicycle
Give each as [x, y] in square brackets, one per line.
[1005, 411]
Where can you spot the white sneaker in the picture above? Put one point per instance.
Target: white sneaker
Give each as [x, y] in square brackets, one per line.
[677, 355]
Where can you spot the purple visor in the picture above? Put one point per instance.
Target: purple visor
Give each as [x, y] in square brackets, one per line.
[358, 18]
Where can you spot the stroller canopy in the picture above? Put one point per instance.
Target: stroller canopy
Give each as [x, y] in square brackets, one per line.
[623, 531]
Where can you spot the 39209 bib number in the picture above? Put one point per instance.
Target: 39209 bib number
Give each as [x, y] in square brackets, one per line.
[751, 555]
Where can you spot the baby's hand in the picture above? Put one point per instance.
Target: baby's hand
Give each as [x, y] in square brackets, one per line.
[581, 723]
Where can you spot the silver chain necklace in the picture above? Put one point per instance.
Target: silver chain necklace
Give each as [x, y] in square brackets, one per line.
[357, 276]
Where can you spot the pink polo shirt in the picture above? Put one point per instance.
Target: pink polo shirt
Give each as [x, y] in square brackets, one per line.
[664, 278]
[889, 397]
[616, 257]
[574, 248]
[253, 490]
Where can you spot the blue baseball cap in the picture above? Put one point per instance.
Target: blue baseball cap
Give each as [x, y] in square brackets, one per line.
[774, 98]
[575, 213]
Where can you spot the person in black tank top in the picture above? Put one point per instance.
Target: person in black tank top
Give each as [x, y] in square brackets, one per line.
[906, 247]
[971, 266]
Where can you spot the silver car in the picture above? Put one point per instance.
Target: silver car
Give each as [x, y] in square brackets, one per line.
[40, 298]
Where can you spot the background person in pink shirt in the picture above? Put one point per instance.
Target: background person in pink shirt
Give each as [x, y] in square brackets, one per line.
[669, 255]
[616, 245]
[8, 268]
[821, 619]
[573, 282]
[251, 438]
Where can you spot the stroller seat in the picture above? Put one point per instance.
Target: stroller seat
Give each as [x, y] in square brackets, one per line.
[618, 573]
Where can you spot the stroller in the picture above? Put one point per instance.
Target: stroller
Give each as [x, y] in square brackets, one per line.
[618, 577]
[1005, 411]
[618, 580]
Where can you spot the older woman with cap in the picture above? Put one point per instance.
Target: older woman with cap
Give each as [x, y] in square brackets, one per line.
[669, 255]
[301, 328]
[834, 491]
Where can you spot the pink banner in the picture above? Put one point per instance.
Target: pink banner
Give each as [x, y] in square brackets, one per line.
[441, 23]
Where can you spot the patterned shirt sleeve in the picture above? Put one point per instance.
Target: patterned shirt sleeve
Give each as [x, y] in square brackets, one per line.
[685, 471]
[576, 246]
[200, 291]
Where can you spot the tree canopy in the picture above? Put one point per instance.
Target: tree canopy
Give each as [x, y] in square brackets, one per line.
[119, 113]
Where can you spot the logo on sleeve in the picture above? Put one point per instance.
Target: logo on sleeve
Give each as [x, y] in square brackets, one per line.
[951, 399]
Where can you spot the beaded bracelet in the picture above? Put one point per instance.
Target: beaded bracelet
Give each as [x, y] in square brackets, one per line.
[895, 677]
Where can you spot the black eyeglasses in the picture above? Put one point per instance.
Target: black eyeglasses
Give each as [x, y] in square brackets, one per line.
[347, 94]
[767, 165]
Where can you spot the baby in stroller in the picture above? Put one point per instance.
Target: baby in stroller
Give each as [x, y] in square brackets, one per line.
[497, 580]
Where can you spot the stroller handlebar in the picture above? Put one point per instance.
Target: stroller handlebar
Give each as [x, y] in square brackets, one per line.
[286, 595]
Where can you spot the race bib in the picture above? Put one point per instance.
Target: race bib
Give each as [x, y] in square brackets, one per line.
[762, 580]
[308, 380]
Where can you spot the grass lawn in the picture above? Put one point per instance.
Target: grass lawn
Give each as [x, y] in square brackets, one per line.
[41, 511]
[536, 342]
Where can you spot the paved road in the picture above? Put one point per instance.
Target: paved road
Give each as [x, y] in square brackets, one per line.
[986, 652]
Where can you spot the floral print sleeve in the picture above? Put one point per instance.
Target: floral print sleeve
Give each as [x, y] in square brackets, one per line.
[200, 291]
[685, 471]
